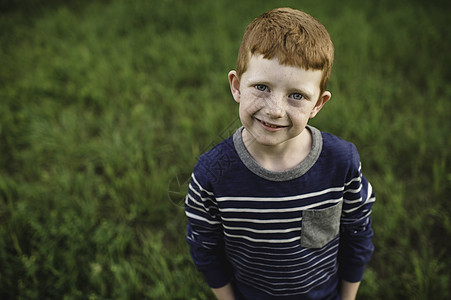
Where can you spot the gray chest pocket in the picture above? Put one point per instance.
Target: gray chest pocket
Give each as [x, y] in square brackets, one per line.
[320, 226]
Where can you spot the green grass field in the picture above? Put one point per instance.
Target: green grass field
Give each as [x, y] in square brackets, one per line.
[106, 105]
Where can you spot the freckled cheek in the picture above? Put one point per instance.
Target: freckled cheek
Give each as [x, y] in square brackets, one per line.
[251, 107]
[298, 119]
[295, 114]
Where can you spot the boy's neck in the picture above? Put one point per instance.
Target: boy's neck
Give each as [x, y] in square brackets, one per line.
[280, 157]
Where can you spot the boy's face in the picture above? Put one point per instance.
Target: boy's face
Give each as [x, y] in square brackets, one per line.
[276, 101]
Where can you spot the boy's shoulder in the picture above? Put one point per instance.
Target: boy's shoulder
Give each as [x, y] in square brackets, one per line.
[223, 149]
[338, 149]
[219, 155]
[332, 141]
[216, 163]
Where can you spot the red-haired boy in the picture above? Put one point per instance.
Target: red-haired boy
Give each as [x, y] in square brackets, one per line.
[281, 210]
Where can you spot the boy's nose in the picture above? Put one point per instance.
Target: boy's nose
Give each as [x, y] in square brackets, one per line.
[274, 107]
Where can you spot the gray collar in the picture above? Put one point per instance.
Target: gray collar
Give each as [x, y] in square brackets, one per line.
[290, 174]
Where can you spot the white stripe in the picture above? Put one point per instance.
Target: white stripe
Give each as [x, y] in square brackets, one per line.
[202, 207]
[370, 190]
[352, 201]
[354, 208]
[200, 187]
[368, 199]
[194, 200]
[297, 238]
[238, 248]
[258, 221]
[264, 230]
[313, 255]
[199, 195]
[195, 208]
[279, 210]
[355, 190]
[352, 180]
[323, 262]
[298, 274]
[350, 221]
[193, 216]
[297, 197]
[263, 247]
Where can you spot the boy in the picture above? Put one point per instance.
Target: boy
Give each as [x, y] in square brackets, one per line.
[281, 210]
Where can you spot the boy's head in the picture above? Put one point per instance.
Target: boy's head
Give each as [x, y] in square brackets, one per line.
[293, 37]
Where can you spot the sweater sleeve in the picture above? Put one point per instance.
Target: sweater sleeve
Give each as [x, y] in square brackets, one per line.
[356, 235]
[204, 231]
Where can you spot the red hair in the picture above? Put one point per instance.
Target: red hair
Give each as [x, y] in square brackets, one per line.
[293, 37]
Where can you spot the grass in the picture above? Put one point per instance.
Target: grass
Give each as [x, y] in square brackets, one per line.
[104, 104]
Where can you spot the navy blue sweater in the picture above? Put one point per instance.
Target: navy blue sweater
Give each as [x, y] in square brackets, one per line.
[280, 235]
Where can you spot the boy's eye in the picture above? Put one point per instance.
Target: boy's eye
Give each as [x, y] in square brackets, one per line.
[297, 96]
[261, 87]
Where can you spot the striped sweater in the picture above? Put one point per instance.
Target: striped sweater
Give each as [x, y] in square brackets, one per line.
[280, 235]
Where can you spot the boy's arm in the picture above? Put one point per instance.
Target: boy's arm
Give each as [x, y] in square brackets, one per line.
[204, 231]
[349, 290]
[356, 235]
[225, 292]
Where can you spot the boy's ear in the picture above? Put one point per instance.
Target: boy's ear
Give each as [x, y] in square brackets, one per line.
[234, 85]
[320, 103]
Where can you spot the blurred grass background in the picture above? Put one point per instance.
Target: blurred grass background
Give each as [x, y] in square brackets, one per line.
[106, 105]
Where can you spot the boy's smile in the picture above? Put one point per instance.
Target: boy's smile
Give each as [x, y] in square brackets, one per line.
[276, 101]
[270, 126]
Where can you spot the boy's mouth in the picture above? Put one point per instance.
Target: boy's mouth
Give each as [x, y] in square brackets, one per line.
[270, 124]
